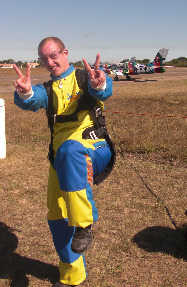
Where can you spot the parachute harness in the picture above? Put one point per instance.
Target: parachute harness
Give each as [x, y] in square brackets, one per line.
[97, 131]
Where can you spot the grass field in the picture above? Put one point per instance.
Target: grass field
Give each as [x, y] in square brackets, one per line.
[136, 243]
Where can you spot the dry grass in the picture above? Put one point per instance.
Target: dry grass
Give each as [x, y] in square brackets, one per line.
[136, 244]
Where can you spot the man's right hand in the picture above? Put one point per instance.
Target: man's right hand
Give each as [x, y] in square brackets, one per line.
[23, 83]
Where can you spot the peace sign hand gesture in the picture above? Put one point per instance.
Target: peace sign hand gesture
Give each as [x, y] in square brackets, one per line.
[97, 77]
[23, 83]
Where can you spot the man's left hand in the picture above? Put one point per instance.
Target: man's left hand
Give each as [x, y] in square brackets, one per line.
[97, 77]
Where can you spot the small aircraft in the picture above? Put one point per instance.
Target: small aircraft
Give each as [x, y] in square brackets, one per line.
[131, 67]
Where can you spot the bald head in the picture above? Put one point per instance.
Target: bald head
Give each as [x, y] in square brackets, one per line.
[53, 55]
[56, 40]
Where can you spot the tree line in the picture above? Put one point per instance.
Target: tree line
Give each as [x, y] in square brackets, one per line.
[177, 62]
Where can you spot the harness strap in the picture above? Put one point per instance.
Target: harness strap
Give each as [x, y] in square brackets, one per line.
[100, 128]
[50, 116]
[101, 132]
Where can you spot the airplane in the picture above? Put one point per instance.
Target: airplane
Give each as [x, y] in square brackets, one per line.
[132, 68]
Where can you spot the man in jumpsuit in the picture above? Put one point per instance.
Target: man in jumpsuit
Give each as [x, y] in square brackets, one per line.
[77, 158]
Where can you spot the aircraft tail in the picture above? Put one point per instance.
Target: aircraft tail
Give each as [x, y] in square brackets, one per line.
[159, 60]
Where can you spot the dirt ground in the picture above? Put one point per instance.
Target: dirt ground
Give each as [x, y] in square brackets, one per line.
[139, 240]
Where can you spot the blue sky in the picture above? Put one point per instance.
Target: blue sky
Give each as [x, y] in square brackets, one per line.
[117, 29]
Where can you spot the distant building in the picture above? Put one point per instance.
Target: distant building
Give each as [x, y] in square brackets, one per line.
[6, 66]
[10, 66]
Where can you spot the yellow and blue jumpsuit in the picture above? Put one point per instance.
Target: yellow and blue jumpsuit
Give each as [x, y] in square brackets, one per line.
[70, 201]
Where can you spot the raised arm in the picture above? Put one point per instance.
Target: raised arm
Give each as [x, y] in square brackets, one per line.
[29, 97]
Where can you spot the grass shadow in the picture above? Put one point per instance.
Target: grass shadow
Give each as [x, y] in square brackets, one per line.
[143, 81]
[16, 267]
[137, 80]
[163, 239]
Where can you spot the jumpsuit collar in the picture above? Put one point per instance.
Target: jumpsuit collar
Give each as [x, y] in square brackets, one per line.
[64, 74]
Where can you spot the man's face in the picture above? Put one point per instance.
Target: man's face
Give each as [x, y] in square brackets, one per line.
[54, 58]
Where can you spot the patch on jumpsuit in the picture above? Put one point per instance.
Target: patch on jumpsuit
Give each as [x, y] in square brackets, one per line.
[89, 170]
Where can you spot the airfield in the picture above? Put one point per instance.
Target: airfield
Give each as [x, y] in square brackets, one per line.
[139, 238]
